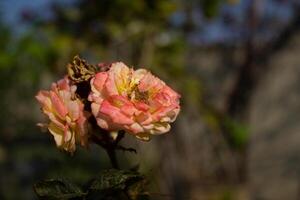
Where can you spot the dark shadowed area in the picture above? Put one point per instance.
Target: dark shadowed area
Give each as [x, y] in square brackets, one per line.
[236, 64]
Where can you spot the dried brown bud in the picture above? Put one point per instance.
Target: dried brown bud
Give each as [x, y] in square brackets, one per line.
[79, 70]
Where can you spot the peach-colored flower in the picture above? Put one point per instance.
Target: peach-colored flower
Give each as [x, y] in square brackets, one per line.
[133, 100]
[67, 119]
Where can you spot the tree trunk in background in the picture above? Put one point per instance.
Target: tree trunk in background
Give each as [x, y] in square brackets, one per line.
[274, 154]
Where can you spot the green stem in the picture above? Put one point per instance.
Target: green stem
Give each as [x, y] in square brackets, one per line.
[110, 146]
[111, 152]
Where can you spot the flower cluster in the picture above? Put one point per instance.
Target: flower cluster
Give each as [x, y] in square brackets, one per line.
[119, 99]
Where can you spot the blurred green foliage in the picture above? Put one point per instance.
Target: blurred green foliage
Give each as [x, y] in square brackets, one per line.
[238, 133]
[210, 7]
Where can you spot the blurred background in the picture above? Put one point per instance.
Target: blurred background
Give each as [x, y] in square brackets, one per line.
[236, 64]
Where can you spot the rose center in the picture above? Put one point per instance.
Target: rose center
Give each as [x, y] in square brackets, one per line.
[138, 95]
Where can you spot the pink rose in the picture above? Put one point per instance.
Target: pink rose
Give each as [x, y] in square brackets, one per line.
[67, 119]
[133, 100]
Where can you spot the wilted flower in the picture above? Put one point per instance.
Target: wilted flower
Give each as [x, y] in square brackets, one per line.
[133, 100]
[67, 119]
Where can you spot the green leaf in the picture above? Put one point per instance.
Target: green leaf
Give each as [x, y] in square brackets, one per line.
[58, 189]
[118, 184]
[115, 179]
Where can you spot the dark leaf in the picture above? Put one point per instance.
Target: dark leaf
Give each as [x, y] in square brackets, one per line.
[58, 189]
[118, 184]
[115, 179]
